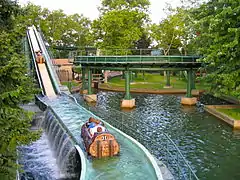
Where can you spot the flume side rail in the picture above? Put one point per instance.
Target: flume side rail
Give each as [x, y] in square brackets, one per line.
[41, 86]
[47, 62]
[135, 59]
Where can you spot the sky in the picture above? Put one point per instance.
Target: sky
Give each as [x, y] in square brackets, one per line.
[89, 7]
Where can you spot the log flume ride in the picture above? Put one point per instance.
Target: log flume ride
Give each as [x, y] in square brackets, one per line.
[98, 141]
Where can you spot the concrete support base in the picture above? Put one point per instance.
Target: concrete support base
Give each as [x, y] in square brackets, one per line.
[128, 103]
[90, 98]
[188, 101]
[167, 87]
[85, 91]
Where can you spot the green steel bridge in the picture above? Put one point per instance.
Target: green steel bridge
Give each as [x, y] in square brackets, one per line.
[131, 63]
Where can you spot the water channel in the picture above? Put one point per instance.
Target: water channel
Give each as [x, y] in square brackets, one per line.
[209, 145]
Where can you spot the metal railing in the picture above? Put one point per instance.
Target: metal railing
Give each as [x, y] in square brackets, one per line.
[134, 59]
[159, 144]
[124, 52]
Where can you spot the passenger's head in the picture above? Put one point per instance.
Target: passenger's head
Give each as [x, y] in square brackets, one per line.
[91, 119]
[99, 129]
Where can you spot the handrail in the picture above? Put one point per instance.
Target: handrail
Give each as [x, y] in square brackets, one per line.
[142, 59]
[150, 52]
[123, 126]
[47, 62]
[35, 65]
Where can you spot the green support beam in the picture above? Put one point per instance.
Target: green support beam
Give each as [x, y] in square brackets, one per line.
[168, 78]
[123, 74]
[131, 76]
[189, 83]
[89, 81]
[193, 79]
[127, 85]
[136, 74]
[83, 78]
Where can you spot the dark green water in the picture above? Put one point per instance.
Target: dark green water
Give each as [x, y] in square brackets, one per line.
[209, 145]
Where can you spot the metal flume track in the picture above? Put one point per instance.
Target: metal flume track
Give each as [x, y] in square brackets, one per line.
[44, 77]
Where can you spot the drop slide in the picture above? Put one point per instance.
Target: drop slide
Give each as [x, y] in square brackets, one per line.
[41, 68]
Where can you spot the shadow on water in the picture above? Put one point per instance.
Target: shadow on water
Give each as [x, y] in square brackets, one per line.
[209, 145]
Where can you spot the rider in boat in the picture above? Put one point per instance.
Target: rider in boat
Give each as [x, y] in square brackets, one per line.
[95, 126]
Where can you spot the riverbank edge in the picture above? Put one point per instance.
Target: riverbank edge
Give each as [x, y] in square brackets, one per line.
[229, 120]
[195, 92]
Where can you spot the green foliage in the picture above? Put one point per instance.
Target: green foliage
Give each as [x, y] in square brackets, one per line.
[173, 32]
[15, 88]
[121, 24]
[140, 5]
[233, 113]
[152, 82]
[8, 9]
[58, 28]
[217, 26]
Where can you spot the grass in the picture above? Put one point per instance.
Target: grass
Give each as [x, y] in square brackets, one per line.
[154, 82]
[70, 84]
[233, 113]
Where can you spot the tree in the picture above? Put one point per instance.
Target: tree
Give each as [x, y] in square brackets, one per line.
[217, 25]
[15, 88]
[121, 23]
[58, 28]
[167, 34]
[174, 32]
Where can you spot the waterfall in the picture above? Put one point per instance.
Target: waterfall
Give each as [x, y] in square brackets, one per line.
[68, 159]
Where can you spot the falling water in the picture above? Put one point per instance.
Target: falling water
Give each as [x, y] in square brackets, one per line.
[53, 156]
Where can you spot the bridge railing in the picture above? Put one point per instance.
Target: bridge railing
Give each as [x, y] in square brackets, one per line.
[159, 144]
[138, 52]
[133, 59]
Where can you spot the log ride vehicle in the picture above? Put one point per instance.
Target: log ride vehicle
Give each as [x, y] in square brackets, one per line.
[98, 141]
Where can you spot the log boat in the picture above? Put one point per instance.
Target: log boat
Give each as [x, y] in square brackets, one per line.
[98, 141]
